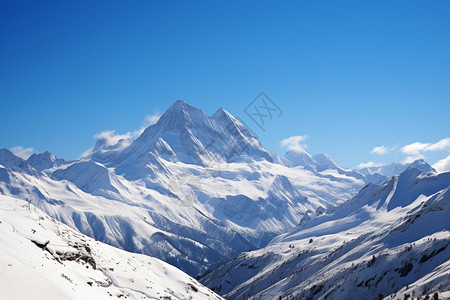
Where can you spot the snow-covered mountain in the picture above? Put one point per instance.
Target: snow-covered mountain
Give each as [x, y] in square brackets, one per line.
[187, 134]
[45, 160]
[323, 164]
[391, 240]
[42, 258]
[386, 170]
[200, 192]
[193, 190]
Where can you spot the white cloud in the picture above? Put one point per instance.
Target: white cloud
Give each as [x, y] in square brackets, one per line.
[152, 119]
[381, 150]
[414, 148]
[443, 165]
[110, 138]
[369, 164]
[293, 143]
[413, 152]
[417, 148]
[22, 152]
[411, 158]
[443, 144]
[148, 121]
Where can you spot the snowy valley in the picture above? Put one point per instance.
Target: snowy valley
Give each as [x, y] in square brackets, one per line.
[392, 240]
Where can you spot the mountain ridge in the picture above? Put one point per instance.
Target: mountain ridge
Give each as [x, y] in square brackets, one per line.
[190, 183]
[365, 246]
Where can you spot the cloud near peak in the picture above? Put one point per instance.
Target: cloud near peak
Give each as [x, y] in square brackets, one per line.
[111, 139]
[294, 143]
[22, 152]
[442, 165]
[148, 121]
[417, 148]
[381, 150]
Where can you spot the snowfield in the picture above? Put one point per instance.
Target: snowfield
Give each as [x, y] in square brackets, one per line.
[391, 240]
[42, 258]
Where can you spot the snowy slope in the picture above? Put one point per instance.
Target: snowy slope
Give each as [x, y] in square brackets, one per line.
[193, 190]
[42, 258]
[391, 239]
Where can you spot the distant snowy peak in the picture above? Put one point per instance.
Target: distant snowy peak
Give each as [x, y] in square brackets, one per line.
[318, 162]
[322, 162]
[386, 170]
[325, 160]
[422, 165]
[8, 159]
[396, 192]
[89, 176]
[418, 179]
[299, 158]
[44, 160]
[396, 168]
[15, 163]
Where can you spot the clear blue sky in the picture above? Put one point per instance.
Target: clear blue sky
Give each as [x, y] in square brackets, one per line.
[352, 75]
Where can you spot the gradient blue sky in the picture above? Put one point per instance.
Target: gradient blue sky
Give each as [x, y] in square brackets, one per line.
[351, 75]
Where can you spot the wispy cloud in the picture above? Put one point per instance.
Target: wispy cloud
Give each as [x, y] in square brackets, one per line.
[22, 152]
[443, 144]
[414, 151]
[148, 121]
[414, 148]
[443, 165]
[369, 164]
[381, 150]
[110, 138]
[294, 143]
[417, 148]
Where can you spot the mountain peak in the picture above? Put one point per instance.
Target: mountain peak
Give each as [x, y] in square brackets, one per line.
[44, 160]
[7, 155]
[224, 117]
[324, 159]
[181, 115]
[422, 165]
[299, 158]
[11, 161]
[221, 112]
[180, 104]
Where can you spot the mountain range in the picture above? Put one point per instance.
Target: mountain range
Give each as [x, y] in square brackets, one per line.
[391, 240]
[192, 189]
[201, 193]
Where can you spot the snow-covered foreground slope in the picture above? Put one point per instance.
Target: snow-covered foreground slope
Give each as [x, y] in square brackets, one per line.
[41, 258]
[194, 190]
[391, 240]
